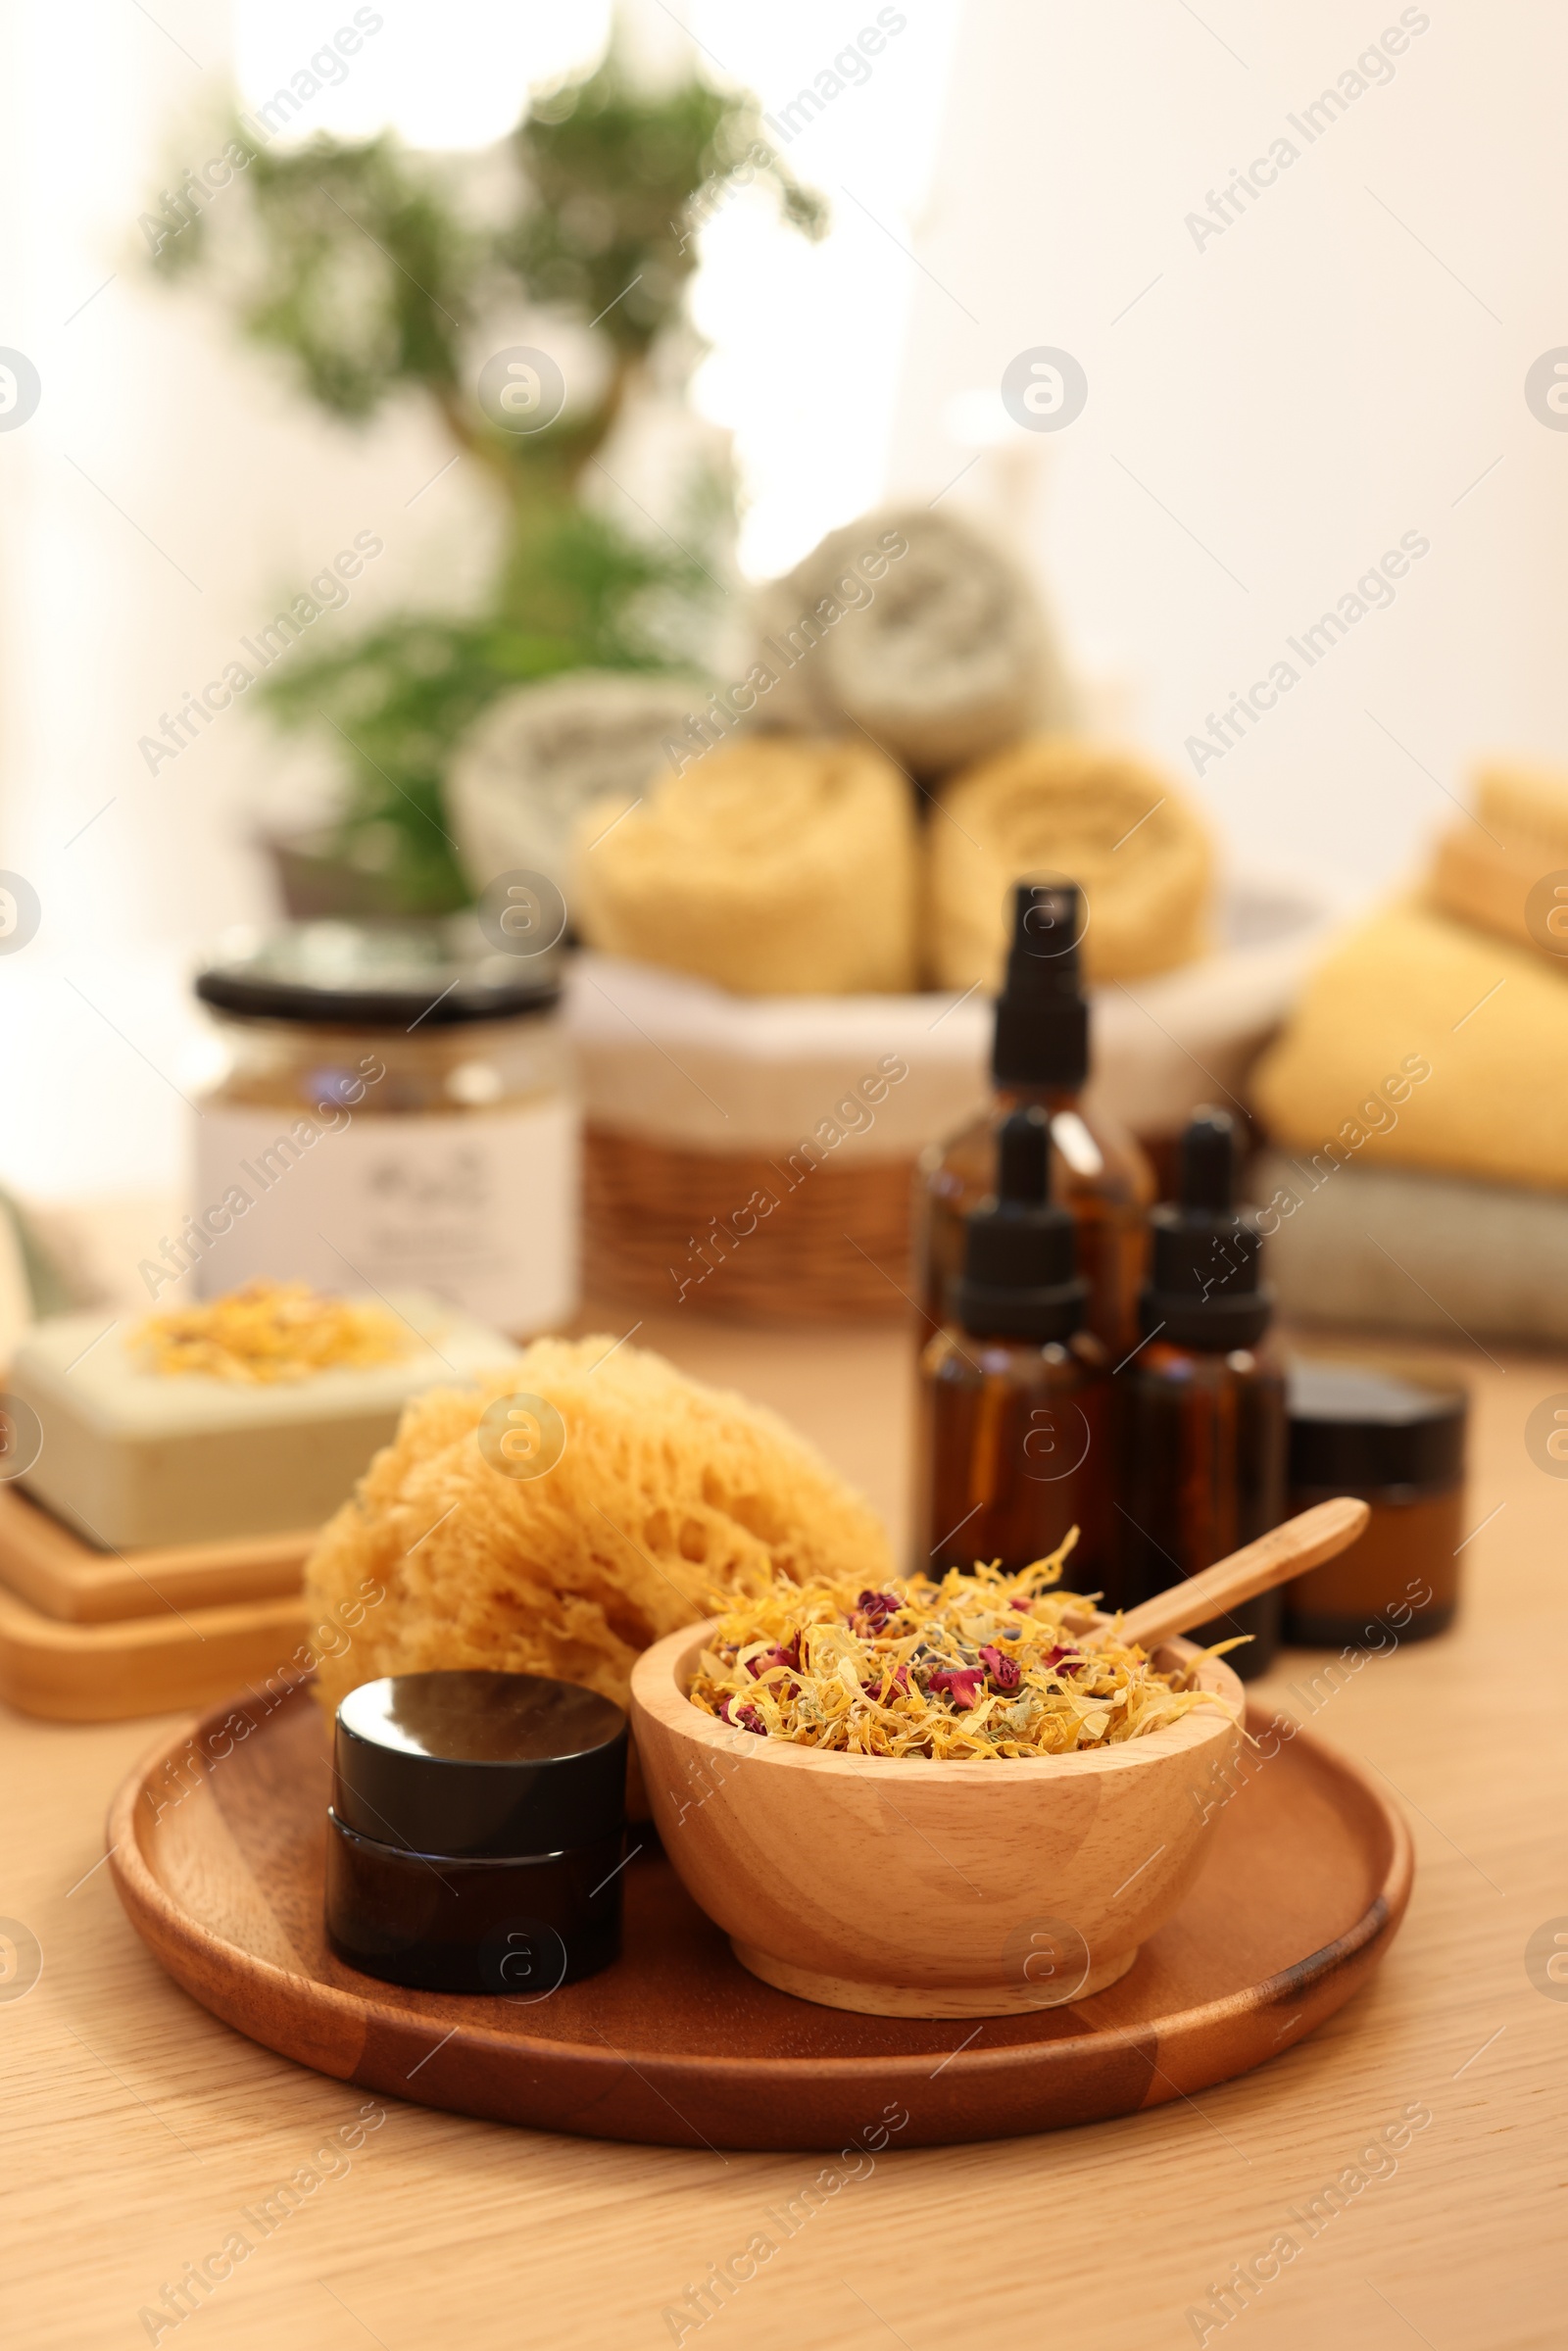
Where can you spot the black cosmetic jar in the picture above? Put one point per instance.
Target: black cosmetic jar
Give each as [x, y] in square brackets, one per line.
[1394, 1436]
[476, 1832]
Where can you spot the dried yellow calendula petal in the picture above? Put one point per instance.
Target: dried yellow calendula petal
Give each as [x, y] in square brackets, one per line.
[268, 1332]
[985, 1665]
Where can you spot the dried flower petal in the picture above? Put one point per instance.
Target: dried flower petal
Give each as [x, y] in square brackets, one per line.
[919, 1669]
[962, 1684]
[877, 1607]
[1005, 1671]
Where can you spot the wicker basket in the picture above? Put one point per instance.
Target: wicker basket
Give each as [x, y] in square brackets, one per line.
[696, 1101]
[666, 1226]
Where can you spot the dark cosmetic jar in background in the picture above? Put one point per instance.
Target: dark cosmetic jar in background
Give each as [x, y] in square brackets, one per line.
[1394, 1437]
[476, 1832]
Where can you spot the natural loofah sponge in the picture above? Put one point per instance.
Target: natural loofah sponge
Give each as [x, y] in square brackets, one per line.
[772, 865]
[665, 1490]
[1139, 854]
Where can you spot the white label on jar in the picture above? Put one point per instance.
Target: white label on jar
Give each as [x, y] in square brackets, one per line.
[482, 1209]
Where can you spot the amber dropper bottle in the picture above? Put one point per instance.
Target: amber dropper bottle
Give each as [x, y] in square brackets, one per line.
[1200, 1409]
[1014, 1441]
[1040, 1057]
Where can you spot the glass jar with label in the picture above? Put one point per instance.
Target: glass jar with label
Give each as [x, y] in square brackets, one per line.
[394, 1111]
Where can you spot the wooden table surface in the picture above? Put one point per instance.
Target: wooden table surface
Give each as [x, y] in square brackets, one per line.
[137, 2128]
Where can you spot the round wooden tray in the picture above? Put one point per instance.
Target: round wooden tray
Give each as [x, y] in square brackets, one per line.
[1305, 1884]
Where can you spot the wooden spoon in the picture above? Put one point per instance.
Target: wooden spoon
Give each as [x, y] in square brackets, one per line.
[1299, 1543]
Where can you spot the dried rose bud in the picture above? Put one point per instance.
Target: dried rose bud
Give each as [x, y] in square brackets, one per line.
[1004, 1669]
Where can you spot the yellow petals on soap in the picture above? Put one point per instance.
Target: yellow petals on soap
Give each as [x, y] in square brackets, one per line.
[271, 1331]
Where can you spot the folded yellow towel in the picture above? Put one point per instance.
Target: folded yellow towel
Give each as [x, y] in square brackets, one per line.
[1425, 1043]
[1496, 868]
[1060, 808]
[773, 865]
[1527, 807]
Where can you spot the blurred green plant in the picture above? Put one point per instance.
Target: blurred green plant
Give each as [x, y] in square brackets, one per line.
[378, 272]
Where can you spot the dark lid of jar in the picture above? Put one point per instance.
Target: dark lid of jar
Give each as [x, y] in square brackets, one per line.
[479, 1763]
[357, 975]
[1365, 1424]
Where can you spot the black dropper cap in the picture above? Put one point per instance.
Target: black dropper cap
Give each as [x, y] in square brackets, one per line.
[1020, 1251]
[1205, 1287]
[1042, 1032]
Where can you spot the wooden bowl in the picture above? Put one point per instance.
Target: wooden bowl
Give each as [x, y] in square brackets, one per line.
[898, 1886]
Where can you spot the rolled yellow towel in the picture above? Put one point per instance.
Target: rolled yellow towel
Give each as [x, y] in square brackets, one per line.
[772, 865]
[1425, 1043]
[1081, 812]
[656, 1491]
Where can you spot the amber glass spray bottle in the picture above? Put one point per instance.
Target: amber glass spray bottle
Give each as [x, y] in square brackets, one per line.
[1040, 1057]
[1015, 1393]
[1199, 1410]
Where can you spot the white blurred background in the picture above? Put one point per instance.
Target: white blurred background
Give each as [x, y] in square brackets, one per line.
[1266, 414]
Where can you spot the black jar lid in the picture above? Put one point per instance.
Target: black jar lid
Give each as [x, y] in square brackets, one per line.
[360, 975]
[1369, 1425]
[467, 1764]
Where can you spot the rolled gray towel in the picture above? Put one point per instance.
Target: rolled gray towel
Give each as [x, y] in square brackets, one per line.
[917, 628]
[532, 762]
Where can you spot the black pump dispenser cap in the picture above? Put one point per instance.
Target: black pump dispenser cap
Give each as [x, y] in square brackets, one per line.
[1042, 1032]
[1205, 1288]
[1020, 1278]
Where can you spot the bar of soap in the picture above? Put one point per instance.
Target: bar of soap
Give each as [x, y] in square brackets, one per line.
[135, 1458]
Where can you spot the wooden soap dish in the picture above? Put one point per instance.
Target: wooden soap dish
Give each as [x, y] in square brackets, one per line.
[142, 1664]
[47, 1564]
[91, 1636]
[219, 1861]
